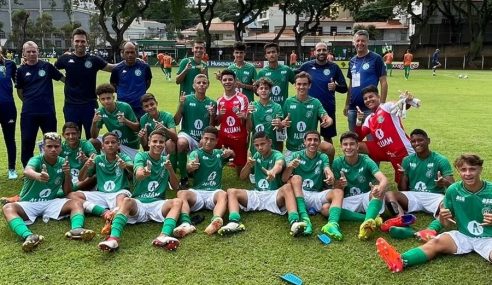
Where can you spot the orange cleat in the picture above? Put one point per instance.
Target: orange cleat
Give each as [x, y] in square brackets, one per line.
[389, 255]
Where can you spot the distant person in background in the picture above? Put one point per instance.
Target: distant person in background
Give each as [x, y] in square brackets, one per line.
[160, 62]
[190, 67]
[293, 59]
[435, 61]
[206, 57]
[330, 57]
[407, 62]
[168, 65]
[388, 60]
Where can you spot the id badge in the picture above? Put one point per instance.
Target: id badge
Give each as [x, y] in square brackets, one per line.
[281, 134]
[356, 79]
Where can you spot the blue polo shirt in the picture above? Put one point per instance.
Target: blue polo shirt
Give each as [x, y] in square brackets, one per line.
[37, 87]
[321, 75]
[369, 67]
[81, 75]
[7, 75]
[131, 81]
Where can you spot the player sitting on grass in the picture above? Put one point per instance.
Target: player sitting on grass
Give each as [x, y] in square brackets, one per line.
[426, 176]
[307, 170]
[355, 174]
[206, 165]
[269, 195]
[112, 170]
[153, 173]
[44, 175]
[468, 204]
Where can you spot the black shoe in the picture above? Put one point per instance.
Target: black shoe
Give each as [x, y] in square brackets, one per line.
[183, 183]
[197, 219]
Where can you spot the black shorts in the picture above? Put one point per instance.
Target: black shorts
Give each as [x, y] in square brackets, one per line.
[331, 131]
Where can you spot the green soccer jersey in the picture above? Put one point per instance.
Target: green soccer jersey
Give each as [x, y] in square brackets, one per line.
[263, 115]
[304, 116]
[110, 177]
[209, 175]
[195, 116]
[358, 175]
[262, 184]
[311, 169]
[152, 188]
[36, 191]
[246, 74]
[127, 136]
[281, 77]
[165, 118]
[72, 153]
[468, 208]
[422, 173]
[186, 85]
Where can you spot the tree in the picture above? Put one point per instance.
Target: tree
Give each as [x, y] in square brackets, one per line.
[380, 10]
[226, 10]
[21, 28]
[96, 35]
[248, 11]
[68, 28]
[176, 14]
[43, 28]
[371, 30]
[207, 13]
[284, 7]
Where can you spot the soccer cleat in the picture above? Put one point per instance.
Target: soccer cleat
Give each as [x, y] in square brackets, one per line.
[12, 174]
[309, 228]
[31, 242]
[80, 233]
[230, 228]
[108, 216]
[109, 245]
[166, 242]
[400, 221]
[389, 255]
[401, 232]
[6, 200]
[425, 235]
[183, 230]
[332, 229]
[297, 228]
[379, 221]
[214, 226]
[367, 229]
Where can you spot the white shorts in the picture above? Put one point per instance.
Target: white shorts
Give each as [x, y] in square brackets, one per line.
[263, 200]
[106, 200]
[358, 203]
[204, 199]
[315, 199]
[192, 143]
[46, 209]
[466, 244]
[423, 201]
[148, 212]
[131, 152]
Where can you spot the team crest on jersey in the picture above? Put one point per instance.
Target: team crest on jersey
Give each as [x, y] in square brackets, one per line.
[88, 64]
[263, 184]
[301, 126]
[45, 193]
[268, 118]
[309, 114]
[475, 228]
[235, 109]
[117, 171]
[365, 66]
[41, 73]
[198, 124]
[260, 128]
[109, 186]
[326, 72]
[429, 173]
[138, 72]
[276, 90]
[380, 119]
[361, 179]
[152, 186]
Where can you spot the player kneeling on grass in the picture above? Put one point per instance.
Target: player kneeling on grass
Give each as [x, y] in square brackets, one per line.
[468, 204]
[153, 173]
[206, 165]
[355, 174]
[306, 171]
[111, 169]
[44, 175]
[426, 175]
[269, 195]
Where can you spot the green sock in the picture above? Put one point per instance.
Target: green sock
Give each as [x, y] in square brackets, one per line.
[414, 256]
[168, 226]
[77, 221]
[347, 215]
[214, 217]
[234, 217]
[18, 226]
[435, 225]
[182, 164]
[119, 223]
[98, 210]
[373, 209]
[301, 208]
[335, 213]
[293, 217]
[401, 232]
[174, 160]
[184, 218]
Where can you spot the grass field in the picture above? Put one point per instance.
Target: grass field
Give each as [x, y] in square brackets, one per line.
[456, 114]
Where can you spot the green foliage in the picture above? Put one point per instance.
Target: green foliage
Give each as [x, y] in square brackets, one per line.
[371, 29]
[381, 10]
[22, 27]
[96, 35]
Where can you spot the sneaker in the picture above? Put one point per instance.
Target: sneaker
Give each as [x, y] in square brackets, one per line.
[308, 230]
[332, 229]
[297, 228]
[169, 243]
[80, 233]
[183, 230]
[214, 226]
[400, 221]
[109, 245]
[389, 255]
[230, 228]
[12, 174]
[31, 242]
[367, 229]
[6, 200]
[425, 235]
[184, 183]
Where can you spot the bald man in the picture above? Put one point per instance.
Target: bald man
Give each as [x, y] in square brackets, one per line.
[131, 78]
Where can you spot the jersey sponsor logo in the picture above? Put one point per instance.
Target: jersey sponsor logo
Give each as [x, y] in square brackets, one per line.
[276, 90]
[263, 184]
[88, 64]
[355, 191]
[420, 186]
[212, 176]
[382, 141]
[230, 121]
[109, 186]
[292, 107]
[246, 72]
[152, 186]
[379, 134]
[45, 193]
[365, 66]
[260, 128]
[138, 72]
[326, 72]
[430, 165]
[198, 124]
[268, 74]
[283, 72]
[460, 198]
[310, 106]
[307, 184]
[301, 126]
[487, 201]
[475, 228]
[41, 73]
[192, 104]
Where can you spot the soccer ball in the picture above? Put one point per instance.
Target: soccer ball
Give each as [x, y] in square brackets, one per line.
[460, 76]
[465, 77]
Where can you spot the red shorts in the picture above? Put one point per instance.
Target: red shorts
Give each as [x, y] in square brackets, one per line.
[377, 154]
[238, 145]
